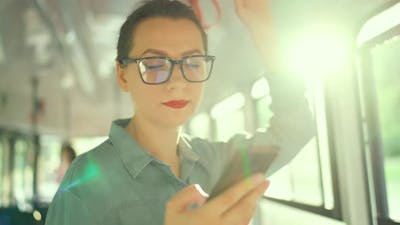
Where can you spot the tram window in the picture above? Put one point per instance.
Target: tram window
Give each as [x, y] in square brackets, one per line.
[306, 177]
[386, 72]
[49, 161]
[260, 92]
[200, 126]
[229, 116]
[379, 42]
[23, 174]
[310, 183]
[262, 110]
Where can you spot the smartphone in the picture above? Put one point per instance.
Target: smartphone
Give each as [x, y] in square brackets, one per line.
[244, 164]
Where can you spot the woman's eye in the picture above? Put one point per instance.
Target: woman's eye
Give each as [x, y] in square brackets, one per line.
[193, 65]
[152, 67]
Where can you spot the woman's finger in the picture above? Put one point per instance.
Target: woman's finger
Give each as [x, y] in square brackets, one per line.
[227, 199]
[187, 197]
[243, 211]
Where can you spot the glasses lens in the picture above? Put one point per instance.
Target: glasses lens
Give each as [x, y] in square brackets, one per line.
[154, 70]
[197, 68]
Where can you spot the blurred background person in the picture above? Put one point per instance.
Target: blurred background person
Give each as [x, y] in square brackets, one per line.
[67, 155]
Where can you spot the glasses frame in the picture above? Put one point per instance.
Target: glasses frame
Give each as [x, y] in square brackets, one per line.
[125, 61]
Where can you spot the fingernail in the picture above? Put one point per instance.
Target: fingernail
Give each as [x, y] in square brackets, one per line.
[201, 191]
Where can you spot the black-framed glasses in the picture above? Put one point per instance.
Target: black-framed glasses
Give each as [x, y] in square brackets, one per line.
[158, 69]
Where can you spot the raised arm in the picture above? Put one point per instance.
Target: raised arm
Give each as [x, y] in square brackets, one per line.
[291, 126]
[256, 16]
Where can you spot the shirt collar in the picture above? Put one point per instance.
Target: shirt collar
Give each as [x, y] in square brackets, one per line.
[134, 157]
[185, 150]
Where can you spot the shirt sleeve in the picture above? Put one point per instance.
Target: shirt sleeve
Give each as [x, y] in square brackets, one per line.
[291, 127]
[66, 209]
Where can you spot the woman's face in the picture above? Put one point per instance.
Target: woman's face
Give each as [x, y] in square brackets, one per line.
[162, 104]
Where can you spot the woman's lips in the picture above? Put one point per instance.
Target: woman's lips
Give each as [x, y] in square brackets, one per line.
[176, 104]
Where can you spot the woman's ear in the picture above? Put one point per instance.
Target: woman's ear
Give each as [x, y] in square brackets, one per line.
[121, 76]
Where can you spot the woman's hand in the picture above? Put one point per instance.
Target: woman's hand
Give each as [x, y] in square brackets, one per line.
[235, 206]
[255, 14]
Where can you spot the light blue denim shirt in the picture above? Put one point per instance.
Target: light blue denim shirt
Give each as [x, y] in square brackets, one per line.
[119, 183]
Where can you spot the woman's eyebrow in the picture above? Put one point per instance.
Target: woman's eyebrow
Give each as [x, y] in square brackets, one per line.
[163, 53]
[154, 51]
[192, 52]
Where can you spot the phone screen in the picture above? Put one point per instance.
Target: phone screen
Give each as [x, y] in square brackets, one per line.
[244, 164]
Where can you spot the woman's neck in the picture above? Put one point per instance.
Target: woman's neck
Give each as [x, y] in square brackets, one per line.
[161, 142]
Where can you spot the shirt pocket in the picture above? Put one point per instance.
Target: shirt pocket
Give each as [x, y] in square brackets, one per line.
[146, 211]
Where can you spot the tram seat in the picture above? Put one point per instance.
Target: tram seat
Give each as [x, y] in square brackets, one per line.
[12, 216]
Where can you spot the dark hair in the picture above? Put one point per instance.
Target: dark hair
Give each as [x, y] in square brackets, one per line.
[67, 148]
[150, 9]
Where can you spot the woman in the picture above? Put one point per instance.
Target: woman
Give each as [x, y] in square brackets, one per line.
[146, 172]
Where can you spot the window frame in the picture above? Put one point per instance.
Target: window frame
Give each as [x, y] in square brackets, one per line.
[336, 211]
[373, 134]
[369, 116]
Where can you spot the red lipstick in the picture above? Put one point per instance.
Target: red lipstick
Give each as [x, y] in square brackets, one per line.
[176, 104]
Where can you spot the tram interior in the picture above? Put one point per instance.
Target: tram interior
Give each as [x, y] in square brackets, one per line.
[58, 83]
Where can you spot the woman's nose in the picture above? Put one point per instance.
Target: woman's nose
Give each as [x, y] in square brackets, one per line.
[177, 80]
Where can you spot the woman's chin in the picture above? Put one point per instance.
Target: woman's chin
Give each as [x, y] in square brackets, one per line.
[177, 118]
[173, 121]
